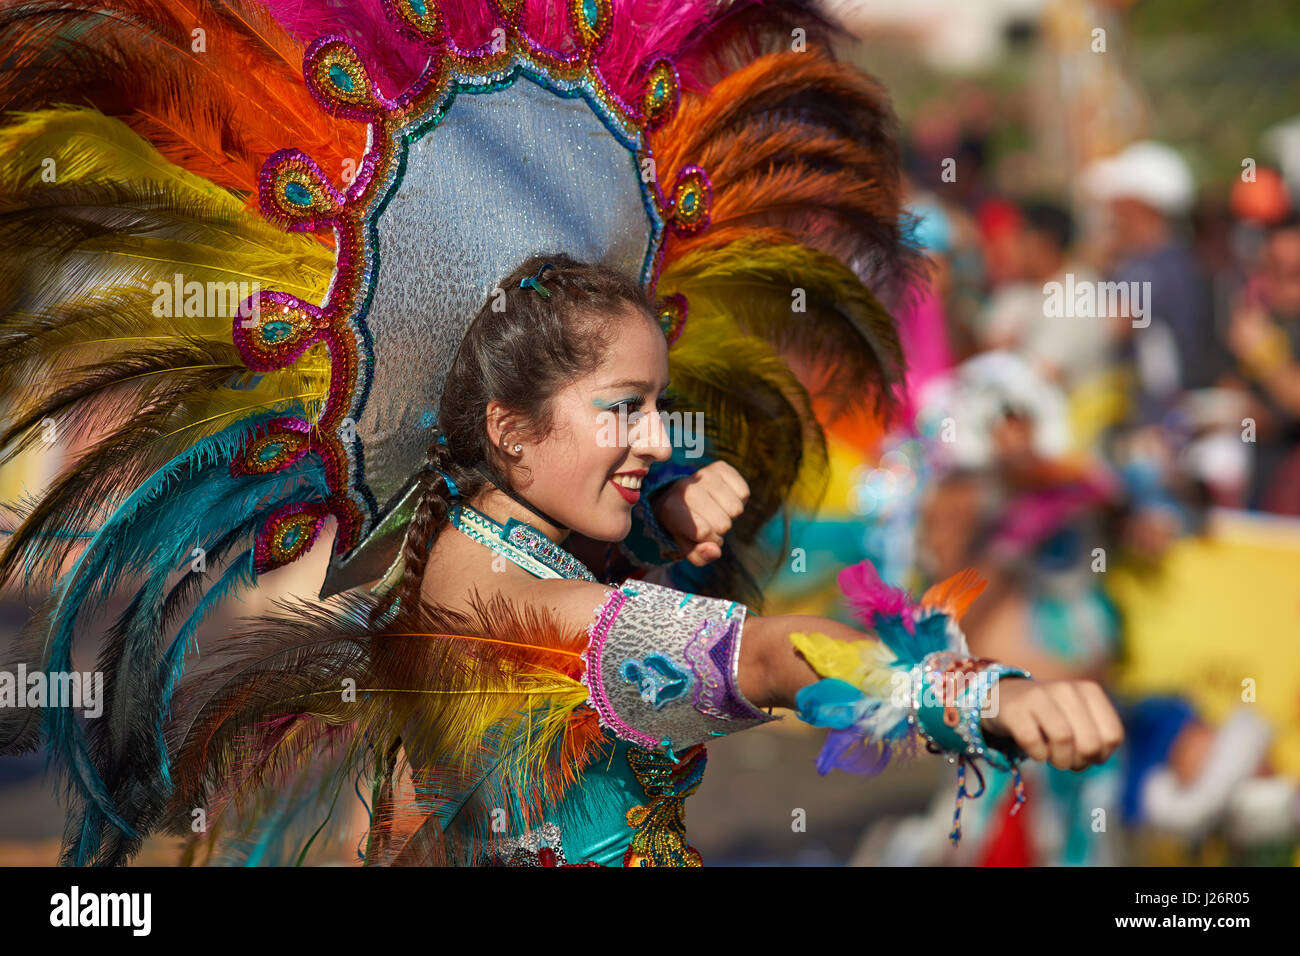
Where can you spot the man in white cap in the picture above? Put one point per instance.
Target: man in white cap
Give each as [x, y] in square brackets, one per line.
[1148, 190]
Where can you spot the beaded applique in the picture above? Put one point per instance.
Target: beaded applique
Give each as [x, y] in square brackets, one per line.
[538, 847]
[660, 838]
[657, 679]
[521, 543]
[712, 655]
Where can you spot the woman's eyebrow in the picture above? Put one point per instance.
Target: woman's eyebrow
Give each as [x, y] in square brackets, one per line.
[637, 383]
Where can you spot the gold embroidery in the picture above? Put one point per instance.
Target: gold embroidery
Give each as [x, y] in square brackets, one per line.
[660, 838]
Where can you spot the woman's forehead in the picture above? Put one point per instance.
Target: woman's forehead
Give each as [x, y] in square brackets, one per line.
[636, 354]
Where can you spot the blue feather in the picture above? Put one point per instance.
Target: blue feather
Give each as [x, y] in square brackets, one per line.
[192, 498]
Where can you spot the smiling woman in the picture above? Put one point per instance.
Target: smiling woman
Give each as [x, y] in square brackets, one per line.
[520, 419]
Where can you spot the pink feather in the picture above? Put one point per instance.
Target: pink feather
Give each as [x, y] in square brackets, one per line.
[394, 61]
[643, 32]
[868, 595]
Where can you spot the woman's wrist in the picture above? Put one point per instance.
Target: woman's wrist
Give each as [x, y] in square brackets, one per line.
[771, 666]
[991, 719]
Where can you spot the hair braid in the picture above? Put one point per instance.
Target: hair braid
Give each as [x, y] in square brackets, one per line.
[430, 517]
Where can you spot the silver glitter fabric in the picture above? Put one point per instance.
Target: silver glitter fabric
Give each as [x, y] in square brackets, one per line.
[661, 667]
[526, 850]
[505, 175]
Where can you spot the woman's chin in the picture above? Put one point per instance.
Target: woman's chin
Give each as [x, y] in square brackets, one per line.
[611, 528]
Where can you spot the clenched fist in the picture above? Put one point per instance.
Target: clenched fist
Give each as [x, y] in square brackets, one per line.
[698, 510]
[1071, 724]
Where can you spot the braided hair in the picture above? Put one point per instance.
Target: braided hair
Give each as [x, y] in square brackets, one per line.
[521, 349]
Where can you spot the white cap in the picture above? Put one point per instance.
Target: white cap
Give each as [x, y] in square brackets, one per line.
[1150, 172]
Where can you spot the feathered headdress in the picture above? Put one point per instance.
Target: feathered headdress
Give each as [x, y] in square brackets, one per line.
[243, 240]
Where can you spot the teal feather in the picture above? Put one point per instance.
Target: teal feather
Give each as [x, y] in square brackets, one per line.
[192, 501]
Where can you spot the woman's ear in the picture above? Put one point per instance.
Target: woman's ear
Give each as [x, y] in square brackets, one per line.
[498, 420]
[504, 425]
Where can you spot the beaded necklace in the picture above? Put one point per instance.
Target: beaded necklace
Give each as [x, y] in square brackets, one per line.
[519, 542]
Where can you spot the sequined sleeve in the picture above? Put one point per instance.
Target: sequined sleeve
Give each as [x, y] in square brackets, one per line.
[662, 664]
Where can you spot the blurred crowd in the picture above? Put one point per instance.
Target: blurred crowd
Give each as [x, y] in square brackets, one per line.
[1090, 375]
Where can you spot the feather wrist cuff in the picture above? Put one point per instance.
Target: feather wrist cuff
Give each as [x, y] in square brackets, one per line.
[919, 676]
[952, 690]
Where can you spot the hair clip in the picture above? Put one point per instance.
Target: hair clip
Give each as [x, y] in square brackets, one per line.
[531, 282]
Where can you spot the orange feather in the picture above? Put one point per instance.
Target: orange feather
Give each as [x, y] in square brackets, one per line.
[955, 594]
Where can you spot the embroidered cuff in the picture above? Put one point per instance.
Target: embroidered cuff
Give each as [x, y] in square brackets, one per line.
[661, 667]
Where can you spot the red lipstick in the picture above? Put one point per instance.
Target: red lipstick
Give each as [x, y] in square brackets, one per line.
[629, 495]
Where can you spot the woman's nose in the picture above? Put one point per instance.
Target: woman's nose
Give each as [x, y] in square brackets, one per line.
[650, 437]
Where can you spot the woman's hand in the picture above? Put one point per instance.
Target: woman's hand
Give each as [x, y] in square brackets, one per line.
[1071, 724]
[698, 510]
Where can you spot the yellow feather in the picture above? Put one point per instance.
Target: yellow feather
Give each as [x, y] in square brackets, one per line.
[805, 302]
[205, 234]
[864, 664]
[713, 349]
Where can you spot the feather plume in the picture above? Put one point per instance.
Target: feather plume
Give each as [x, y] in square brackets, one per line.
[757, 416]
[80, 341]
[193, 502]
[218, 110]
[486, 704]
[705, 39]
[870, 597]
[841, 328]
[800, 142]
[392, 58]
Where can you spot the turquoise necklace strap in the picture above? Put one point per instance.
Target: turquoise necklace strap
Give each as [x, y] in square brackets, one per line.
[519, 542]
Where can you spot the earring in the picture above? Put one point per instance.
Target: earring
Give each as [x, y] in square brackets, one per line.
[518, 449]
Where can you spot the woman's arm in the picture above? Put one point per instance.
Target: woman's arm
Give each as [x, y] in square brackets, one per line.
[1070, 724]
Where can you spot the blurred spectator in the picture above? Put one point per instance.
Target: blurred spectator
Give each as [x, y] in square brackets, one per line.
[1066, 350]
[1149, 189]
[1265, 339]
[1000, 225]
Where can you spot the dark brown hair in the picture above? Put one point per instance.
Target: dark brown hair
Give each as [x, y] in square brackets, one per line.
[521, 349]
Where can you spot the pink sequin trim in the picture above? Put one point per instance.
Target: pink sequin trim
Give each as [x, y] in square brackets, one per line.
[594, 682]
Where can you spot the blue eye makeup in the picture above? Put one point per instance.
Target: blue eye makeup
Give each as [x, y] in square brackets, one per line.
[634, 403]
[607, 406]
